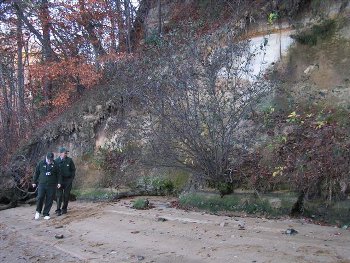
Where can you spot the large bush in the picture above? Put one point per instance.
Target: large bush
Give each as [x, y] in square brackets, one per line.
[315, 157]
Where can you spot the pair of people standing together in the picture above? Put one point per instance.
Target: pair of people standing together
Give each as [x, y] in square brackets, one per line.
[53, 177]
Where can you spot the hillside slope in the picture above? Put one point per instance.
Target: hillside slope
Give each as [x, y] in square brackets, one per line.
[99, 128]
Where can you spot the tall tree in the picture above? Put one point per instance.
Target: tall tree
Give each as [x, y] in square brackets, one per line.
[18, 5]
[20, 73]
[159, 4]
[6, 109]
[44, 16]
[87, 21]
[127, 11]
[121, 26]
[111, 10]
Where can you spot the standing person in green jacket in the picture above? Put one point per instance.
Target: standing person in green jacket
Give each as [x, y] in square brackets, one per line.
[47, 178]
[67, 170]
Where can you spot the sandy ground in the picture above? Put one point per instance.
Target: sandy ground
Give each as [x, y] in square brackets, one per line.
[115, 232]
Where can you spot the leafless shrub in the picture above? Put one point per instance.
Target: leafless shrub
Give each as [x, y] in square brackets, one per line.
[201, 106]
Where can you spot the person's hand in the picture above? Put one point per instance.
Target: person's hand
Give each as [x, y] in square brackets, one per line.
[59, 186]
[34, 185]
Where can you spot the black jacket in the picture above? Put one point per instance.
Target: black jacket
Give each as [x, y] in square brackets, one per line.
[47, 174]
[66, 167]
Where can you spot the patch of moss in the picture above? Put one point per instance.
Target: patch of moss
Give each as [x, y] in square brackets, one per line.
[141, 204]
[321, 31]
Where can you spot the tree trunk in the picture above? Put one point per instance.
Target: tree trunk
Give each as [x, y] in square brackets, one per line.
[128, 25]
[17, 5]
[86, 22]
[6, 114]
[112, 18]
[159, 18]
[20, 76]
[47, 55]
[139, 30]
[344, 4]
[121, 27]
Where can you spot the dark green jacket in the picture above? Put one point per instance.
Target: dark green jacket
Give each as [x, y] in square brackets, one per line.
[47, 174]
[66, 167]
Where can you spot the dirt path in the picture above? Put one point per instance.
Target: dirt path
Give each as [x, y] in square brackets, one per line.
[114, 232]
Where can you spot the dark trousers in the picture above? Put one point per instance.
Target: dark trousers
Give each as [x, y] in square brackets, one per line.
[62, 194]
[45, 193]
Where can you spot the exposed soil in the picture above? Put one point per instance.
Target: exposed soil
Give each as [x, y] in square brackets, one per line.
[115, 232]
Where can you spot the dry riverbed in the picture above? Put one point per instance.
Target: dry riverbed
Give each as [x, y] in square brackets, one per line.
[115, 232]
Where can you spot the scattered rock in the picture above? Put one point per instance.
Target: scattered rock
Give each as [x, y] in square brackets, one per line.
[275, 202]
[140, 258]
[162, 219]
[223, 224]
[99, 108]
[241, 226]
[311, 69]
[59, 236]
[290, 231]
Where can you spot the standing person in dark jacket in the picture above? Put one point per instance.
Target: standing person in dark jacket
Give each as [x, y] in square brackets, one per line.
[67, 170]
[47, 178]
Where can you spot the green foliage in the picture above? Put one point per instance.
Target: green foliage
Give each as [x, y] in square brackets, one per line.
[154, 39]
[141, 204]
[95, 194]
[293, 117]
[268, 115]
[273, 16]
[321, 31]
[211, 203]
[224, 188]
[180, 179]
[155, 185]
[236, 203]
[333, 213]
[256, 206]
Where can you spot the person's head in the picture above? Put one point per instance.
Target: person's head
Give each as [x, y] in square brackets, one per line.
[63, 152]
[49, 157]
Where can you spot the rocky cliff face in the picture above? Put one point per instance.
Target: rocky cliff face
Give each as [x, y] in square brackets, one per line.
[316, 71]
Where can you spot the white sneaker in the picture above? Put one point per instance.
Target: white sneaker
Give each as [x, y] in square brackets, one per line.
[46, 217]
[37, 215]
